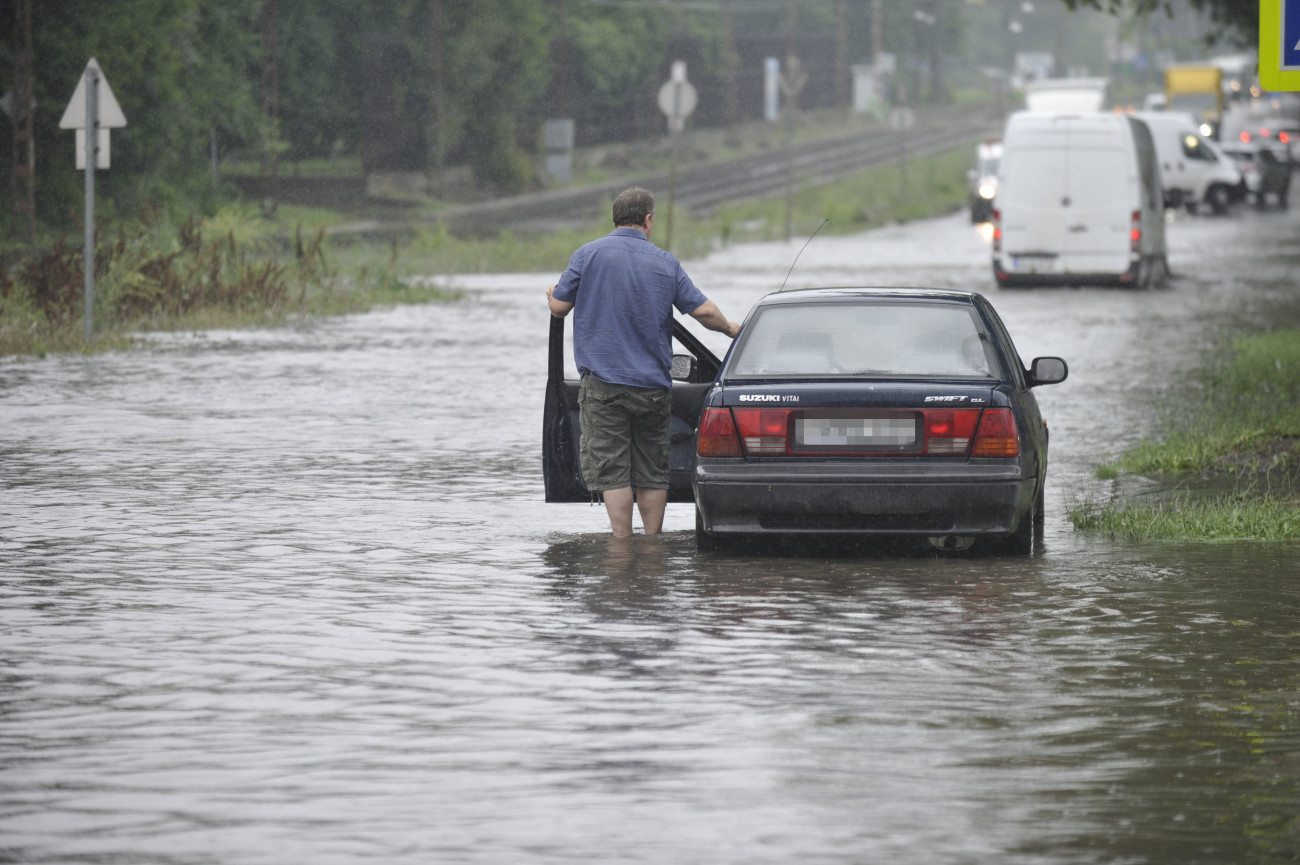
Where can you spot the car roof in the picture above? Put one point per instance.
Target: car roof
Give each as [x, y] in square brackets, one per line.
[806, 295]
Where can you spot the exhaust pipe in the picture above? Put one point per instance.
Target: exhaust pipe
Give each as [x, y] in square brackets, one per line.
[956, 543]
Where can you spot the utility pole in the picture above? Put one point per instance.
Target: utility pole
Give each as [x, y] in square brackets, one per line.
[841, 53]
[270, 172]
[562, 58]
[791, 13]
[730, 85]
[21, 110]
[437, 60]
[938, 90]
[877, 28]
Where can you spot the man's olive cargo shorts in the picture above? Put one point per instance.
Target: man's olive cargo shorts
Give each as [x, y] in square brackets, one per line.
[625, 435]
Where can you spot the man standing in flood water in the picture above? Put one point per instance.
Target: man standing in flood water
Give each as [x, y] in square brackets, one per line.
[624, 289]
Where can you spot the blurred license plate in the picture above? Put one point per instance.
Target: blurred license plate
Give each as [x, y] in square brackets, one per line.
[855, 432]
[1034, 263]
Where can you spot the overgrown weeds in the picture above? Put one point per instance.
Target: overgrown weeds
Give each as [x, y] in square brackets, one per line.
[159, 278]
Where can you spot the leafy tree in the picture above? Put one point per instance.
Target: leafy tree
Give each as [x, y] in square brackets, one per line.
[179, 69]
[1237, 20]
[496, 64]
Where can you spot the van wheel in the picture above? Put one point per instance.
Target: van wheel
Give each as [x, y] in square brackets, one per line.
[1161, 277]
[1219, 199]
[1155, 273]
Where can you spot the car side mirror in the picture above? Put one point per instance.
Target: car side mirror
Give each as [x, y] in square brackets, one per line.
[1047, 370]
[683, 368]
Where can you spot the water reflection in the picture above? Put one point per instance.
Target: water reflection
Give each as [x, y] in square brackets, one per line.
[1131, 703]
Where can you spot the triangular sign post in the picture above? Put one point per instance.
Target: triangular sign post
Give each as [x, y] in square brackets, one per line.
[109, 116]
[93, 109]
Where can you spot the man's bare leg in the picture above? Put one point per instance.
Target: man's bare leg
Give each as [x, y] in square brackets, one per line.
[651, 504]
[618, 505]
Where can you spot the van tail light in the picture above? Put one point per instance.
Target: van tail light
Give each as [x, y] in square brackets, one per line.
[997, 435]
[1135, 233]
[717, 436]
[997, 230]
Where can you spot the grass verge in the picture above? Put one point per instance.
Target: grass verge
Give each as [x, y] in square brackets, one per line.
[1231, 462]
[1241, 515]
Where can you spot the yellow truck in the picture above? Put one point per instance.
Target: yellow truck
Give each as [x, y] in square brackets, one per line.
[1198, 90]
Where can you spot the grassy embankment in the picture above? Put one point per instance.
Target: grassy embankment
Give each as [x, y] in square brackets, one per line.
[1230, 464]
[236, 269]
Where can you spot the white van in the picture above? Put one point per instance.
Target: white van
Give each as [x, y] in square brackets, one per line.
[1079, 202]
[1192, 168]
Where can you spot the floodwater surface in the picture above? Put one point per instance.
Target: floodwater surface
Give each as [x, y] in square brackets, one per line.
[292, 595]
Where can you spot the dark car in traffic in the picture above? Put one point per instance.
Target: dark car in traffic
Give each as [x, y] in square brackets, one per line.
[1266, 175]
[848, 412]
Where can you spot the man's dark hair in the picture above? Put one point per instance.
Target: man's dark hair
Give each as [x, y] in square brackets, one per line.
[632, 207]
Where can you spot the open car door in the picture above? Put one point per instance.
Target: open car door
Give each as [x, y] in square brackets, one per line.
[693, 374]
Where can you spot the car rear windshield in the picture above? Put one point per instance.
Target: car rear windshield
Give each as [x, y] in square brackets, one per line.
[865, 339]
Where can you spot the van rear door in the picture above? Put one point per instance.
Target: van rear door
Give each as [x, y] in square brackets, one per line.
[1099, 202]
[1033, 188]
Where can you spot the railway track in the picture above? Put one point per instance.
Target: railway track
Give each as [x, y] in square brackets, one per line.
[702, 189]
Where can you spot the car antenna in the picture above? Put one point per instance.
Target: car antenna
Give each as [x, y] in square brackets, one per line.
[796, 258]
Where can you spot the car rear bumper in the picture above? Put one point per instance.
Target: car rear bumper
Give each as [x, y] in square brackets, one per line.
[988, 499]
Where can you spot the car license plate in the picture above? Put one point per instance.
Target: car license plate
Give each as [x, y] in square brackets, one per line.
[855, 432]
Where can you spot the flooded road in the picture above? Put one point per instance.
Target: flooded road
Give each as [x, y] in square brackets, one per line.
[293, 595]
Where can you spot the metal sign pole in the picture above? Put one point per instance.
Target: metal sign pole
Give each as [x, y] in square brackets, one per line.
[92, 141]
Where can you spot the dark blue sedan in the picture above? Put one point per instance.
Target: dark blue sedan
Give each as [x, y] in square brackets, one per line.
[851, 412]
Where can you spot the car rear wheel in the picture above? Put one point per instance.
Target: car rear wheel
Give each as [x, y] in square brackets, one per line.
[1021, 541]
[704, 542]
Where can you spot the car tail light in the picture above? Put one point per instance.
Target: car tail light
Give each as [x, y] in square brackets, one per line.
[997, 436]
[1245, 137]
[1283, 137]
[717, 436]
[1135, 233]
[997, 230]
[949, 432]
[763, 431]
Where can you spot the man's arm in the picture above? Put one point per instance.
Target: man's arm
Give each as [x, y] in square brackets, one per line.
[711, 317]
[559, 308]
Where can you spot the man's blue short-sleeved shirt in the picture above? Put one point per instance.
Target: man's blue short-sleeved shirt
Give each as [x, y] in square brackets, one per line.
[624, 288]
